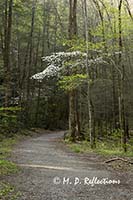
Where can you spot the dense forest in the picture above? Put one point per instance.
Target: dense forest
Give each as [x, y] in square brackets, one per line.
[68, 65]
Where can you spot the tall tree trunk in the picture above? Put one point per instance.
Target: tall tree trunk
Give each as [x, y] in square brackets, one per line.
[72, 32]
[30, 49]
[72, 116]
[6, 53]
[28, 81]
[122, 79]
[77, 113]
[38, 104]
[88, 75]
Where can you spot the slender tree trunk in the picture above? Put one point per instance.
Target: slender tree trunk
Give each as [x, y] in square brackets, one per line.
[88, 75]
[122, 79]
[30, 49]
[44, 30]
[72, 118]
[38, 104]
[115, 100]
[78, 128]
[6, 53]
[29, 67]
[72, 32]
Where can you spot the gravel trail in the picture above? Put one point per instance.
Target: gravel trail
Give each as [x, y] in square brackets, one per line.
[49, 171]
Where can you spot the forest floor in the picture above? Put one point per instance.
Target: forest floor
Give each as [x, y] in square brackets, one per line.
[49, 170]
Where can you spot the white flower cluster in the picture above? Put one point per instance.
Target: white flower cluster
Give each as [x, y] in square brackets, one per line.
[56, 61]
[51, 70]
[60, 56]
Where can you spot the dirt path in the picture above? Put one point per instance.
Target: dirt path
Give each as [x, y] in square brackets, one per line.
[43, 158]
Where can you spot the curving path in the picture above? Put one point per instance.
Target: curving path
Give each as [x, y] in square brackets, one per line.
[50, 171]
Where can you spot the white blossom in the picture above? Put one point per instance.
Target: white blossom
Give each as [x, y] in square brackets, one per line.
[51, 70]
[60, 56]
[56, 63]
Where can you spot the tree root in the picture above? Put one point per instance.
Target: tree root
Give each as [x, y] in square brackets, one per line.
[113, 159]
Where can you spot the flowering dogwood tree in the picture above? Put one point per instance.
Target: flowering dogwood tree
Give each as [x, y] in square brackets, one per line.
[64, 62]
[70, 69]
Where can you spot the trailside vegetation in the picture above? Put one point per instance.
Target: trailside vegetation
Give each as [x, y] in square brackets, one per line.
[67, 65]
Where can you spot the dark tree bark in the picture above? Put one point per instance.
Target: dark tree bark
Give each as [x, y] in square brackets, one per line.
[30, 62]
[88, 76]
[6, 50]
[122, 80]
[72, 32]
[30, 48]
[77, 113]
[72, 116]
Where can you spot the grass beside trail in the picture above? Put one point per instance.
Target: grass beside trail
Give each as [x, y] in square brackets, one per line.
[7, 191]
[6, 145]
[109, 148]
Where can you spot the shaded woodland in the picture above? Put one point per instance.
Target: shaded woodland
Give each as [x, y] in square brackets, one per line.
[67, 64]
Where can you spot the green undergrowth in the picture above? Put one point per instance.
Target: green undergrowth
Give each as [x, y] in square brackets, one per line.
[109, 148]
[7, 167]
[6, 145]
[8, 192]
[79, 147]
[104, 148]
